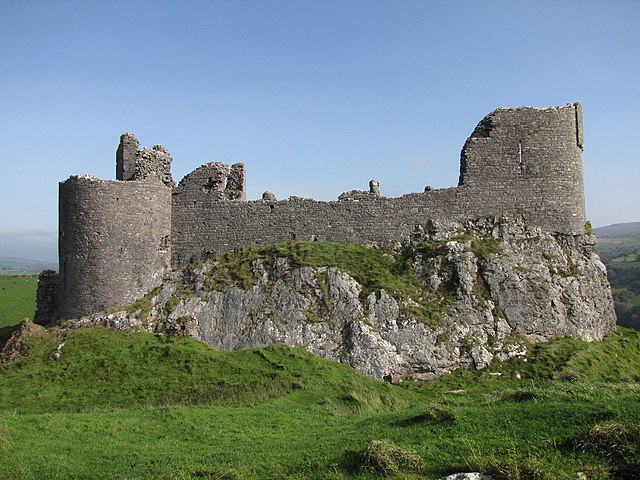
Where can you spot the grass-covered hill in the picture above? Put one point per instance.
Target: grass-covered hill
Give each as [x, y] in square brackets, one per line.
[141, 406]
[619, 248]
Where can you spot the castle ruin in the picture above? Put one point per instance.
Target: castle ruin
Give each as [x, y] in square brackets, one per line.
[118, 238]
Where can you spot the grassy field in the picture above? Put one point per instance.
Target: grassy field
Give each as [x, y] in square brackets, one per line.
[139, 406]
[17, 298]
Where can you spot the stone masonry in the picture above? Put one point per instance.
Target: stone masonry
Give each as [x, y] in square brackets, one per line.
[119, 237]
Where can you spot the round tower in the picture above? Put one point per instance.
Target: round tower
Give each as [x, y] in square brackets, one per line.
[114, 242]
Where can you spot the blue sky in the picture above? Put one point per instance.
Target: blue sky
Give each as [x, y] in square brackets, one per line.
[316, 97]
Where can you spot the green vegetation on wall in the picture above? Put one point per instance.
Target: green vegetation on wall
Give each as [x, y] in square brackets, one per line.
[374, 268]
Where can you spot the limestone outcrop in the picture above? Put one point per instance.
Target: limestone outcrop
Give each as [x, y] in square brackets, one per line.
[457, 295]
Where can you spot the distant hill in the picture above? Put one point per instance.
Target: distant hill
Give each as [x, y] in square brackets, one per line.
[619, 249]
[618, 229]
[24, 265]
[618, 242]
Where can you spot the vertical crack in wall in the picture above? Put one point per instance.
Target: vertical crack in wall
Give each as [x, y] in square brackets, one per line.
[235, 188]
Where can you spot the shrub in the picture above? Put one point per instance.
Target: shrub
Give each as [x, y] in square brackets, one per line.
[588, 228]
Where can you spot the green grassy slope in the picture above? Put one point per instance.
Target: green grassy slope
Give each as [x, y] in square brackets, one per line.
[102, 369]
[138, 406]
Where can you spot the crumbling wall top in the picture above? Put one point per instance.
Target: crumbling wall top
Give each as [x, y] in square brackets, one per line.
[154, 162]
[217, 180]
[134, 163]
[126, 156]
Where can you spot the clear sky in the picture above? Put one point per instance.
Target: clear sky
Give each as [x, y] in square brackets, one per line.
[316, 97]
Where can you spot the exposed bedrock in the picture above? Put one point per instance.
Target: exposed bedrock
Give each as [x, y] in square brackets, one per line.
[481, 290]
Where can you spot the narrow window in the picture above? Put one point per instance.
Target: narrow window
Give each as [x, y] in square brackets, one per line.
[520, 153]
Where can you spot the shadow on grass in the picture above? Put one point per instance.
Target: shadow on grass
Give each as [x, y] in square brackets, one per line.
[434, 415]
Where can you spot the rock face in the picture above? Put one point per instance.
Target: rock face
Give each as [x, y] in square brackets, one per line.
[462, 295]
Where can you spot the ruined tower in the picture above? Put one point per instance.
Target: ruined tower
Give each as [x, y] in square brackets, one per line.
[114, 235]
[528, 161]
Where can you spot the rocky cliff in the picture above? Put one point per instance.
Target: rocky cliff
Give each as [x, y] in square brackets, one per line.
[457, 295]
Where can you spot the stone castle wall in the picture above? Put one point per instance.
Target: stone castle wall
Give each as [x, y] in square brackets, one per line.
[46, 297]
[524, 162]
[118, 238]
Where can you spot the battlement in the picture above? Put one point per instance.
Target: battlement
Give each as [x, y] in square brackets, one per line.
[119, 237]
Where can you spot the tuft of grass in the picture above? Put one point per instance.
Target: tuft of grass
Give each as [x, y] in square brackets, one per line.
[619, 443]
[143, 305]
[483, 247]
[513, 468]
[588, 228]
[384, 458]
[481, 290]
[236, 269]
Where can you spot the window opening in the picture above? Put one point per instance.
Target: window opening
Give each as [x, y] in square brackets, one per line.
[520, 162]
